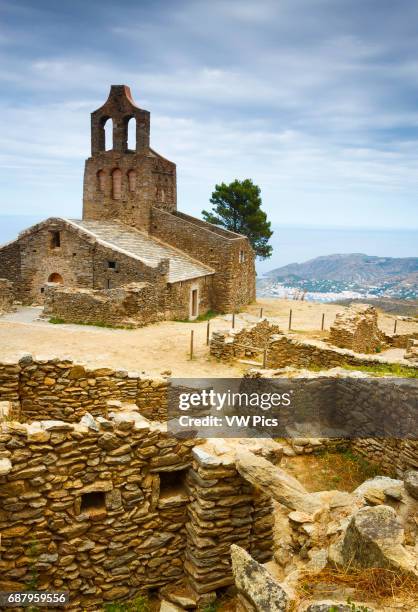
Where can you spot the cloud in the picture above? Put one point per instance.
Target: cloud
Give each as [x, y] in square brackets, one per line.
[316, 101]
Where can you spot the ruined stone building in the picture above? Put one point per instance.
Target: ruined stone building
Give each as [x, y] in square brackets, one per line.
[132, 232]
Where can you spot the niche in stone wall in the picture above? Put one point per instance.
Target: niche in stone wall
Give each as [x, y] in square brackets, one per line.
[93, 502]
[173, 483]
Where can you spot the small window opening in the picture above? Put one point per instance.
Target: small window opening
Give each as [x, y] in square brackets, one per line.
[111, 265]
[108, 283]
[55, 241]
[242, 256]
[55, 277]
[172, 483]
[42, 289]
[93, 501]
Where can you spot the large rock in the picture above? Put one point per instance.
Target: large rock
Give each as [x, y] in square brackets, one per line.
[256, 584]
[374, 538]
[276, 482]
[411, 483]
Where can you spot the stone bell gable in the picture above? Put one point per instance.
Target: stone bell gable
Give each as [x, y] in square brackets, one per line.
[124, 183]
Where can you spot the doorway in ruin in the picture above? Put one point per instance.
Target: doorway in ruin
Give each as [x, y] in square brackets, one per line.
[55, 277]
[194, 304]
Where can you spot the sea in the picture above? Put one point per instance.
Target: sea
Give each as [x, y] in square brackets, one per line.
[294, 243]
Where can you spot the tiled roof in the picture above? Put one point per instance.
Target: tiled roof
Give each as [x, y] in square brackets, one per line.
[148, 250]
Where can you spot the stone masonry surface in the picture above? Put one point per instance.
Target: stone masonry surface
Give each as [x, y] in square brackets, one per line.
[109, 507]
[356, 329]
[6, 295]
[132, 305]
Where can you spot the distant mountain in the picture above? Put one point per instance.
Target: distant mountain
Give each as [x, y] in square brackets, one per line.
[354, 272]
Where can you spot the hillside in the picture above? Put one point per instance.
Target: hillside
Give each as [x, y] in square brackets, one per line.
[352, 272]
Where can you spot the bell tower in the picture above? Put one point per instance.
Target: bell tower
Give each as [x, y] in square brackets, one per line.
[121, 183]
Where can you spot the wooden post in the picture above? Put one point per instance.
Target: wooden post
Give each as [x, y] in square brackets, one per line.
[261, 313]
[290, 319]
[191, 344]
[395, 326]
[264, 358]
[207, 333]
[233, 320]
[323, 320]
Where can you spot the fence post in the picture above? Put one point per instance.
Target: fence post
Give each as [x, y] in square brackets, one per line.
[323, 320]
[191, 344]
[261, 313]
[395, 326]
[290, 319]
[233, 320]
[264, 358]
[207, 333]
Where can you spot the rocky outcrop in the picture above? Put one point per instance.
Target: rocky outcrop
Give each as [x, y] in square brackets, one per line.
[279, 484]
[411, 483]
[374, 538]
[258, 590]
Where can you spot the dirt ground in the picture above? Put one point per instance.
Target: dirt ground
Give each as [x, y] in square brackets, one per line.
[159, 347]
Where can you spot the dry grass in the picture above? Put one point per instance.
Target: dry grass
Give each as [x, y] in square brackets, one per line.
[377, 585]
[343, 470]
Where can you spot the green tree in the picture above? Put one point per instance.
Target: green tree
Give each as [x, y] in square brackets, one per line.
[237, 207]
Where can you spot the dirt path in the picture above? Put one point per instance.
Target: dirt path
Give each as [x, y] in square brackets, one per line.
[159, 347]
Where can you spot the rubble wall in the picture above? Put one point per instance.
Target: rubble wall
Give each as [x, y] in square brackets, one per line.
[133, 305]
[61, 389]
[6, 295]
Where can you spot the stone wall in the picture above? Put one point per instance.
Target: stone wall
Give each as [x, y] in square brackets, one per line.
[107, 508]
[225, 510]
[356, 329]
[10, 266]
[88, 511]
[132, 305]
[6, 295]
[233, 344]
[234, 281]
[144, 178]
[60, 389]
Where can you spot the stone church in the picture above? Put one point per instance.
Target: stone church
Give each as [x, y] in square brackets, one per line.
[131, 233]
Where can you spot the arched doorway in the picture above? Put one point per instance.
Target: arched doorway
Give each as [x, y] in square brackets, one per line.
[55, 278]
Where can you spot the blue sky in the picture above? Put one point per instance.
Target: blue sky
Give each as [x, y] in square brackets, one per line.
[315, 100]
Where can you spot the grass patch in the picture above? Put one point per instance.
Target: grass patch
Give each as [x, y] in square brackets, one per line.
[383, 369]
[371, 584]
[138, 604]
[58, 321]
[210, 314]
[340, 469]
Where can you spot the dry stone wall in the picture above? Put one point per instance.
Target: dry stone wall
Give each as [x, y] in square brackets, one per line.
[239, 343]
[60, 389]
[110, 507]
[86, 510]
[288, 350]
[133, 305]
[224, 510]
[6, 295]
[356, 329]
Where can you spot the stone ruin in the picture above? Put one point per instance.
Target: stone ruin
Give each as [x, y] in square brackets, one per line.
[375, 526]
[102, 502]
[6, 296]
[132, 305]
[356, 329]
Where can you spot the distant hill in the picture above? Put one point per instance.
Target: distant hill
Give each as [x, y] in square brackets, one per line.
[354, 272]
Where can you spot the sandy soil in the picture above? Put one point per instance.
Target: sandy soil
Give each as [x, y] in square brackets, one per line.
[159, 347]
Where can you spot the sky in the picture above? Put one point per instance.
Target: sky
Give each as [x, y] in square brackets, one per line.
[315, 100]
